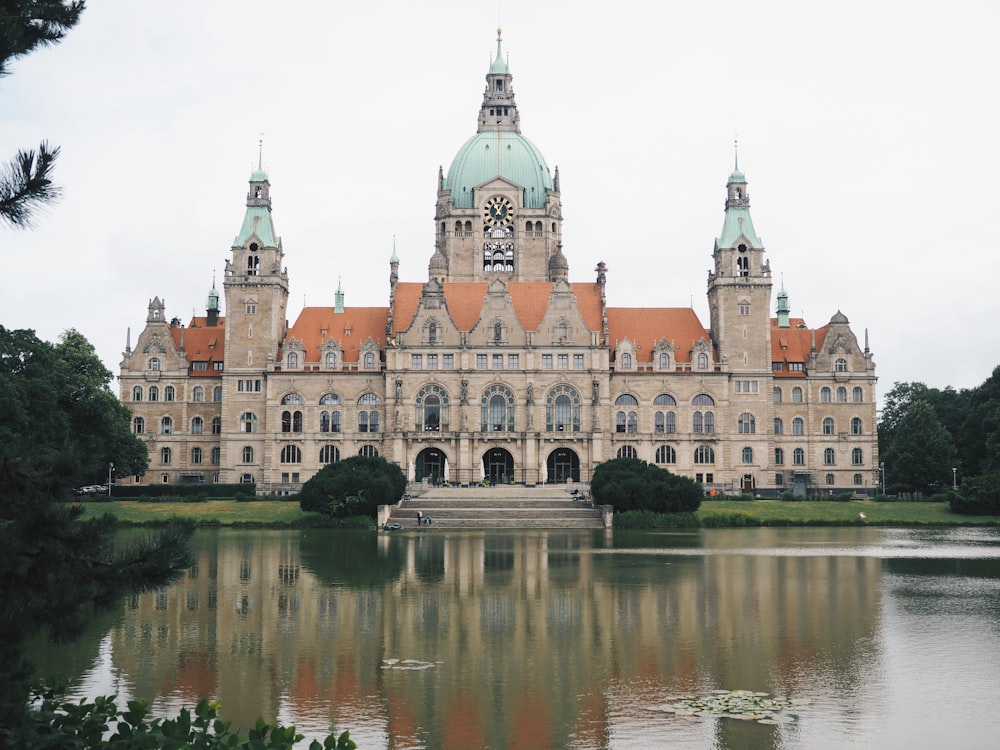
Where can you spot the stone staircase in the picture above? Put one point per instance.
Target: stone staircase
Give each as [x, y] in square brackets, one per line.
[501, 507]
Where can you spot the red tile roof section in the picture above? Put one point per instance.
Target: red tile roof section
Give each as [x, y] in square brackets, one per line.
[645, 326]
[202, 343]
[793, 344]
[465, 303]
[362, 322]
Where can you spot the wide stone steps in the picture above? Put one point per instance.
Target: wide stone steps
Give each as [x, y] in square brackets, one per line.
[498, 508]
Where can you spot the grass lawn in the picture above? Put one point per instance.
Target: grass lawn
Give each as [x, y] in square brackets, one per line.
[220, 512]
[820, 512]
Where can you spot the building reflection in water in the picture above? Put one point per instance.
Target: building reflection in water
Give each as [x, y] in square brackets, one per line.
[543, 639]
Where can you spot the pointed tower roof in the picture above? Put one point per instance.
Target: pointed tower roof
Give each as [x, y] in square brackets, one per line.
[257, 220]
[498, 149]
[737, 222]
[394, 258]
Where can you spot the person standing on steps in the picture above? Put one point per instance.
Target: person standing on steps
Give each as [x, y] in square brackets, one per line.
[420, 519]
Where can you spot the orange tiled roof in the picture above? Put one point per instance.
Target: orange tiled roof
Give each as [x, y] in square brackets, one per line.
[351, 328]
[645, 326]
[202, 343]
[465, 302]
[793, 344]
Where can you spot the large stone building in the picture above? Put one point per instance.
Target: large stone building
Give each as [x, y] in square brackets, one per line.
[497, 366]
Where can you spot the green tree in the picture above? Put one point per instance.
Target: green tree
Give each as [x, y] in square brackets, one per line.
[921, 454]
[26, 25]
[633, 484]
[979, 495]
[355, 486]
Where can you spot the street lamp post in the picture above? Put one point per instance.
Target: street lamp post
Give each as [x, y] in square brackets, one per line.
[954, 478]
[111, 468]
[881, 468]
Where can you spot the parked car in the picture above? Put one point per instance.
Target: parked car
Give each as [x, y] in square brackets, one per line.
[91, 489]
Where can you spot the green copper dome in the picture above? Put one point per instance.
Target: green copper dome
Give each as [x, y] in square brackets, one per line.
[498, 154]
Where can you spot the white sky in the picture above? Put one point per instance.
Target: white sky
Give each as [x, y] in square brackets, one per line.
[863, 130]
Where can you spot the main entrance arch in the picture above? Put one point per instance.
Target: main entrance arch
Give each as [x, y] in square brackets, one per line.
[430, 465]
[563, 465]
[498, 466]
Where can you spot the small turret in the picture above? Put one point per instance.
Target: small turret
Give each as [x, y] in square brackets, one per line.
[212, 309]
[338, 299]
[783, 310]
[558, 265]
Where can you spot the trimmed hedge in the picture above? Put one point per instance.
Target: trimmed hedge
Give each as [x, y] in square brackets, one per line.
[204, 490]
[633, 484]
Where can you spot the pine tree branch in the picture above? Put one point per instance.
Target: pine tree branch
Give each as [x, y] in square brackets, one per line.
[26, 187]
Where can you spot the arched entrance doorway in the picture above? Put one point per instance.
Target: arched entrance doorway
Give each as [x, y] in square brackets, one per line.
[563, 465]
[747, 484]
[498, 466]
[430, 465]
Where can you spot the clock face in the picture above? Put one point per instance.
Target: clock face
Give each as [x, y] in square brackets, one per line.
[498, 211]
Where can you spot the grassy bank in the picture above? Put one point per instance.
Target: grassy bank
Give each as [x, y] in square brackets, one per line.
[219, 513]
[723, 513]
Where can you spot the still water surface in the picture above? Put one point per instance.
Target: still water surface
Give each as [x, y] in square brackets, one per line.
[571, 639]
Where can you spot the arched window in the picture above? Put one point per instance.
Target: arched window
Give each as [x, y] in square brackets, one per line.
[138, 425]
[798, 426]
[330, 399]
[704, 454]
[824, 394]
[857, 479]
[779, 456]
[286, 421]
[698, 422]
[247, 454]
[197, 426]
[196, 455]
[368, 421]
[703, 399]
[154, 393]
[776, 395]
[664, 360]
[829, 479]
[796, 395]
[626, 399]
[297, 421]
[779, 426]
[368, 451]
[291, 454]
[331, 360]
[857, 457]
[369, 360]
[562, 410]
[292, 360]
[828, 427]
[169, 393]
[329, 454]
[799, 457]
[216, 425]
[747, 454]
[248, 422]
[198, 394]
[166, 426]
[626, 361]
[665, 454]
[154, 363]
[432, 409]
[627, 421]
[841, 395]
[217, 393]
[702, 361]
[859, 395]
[829, 457]
[497, 409]
[137, 393]
[856, 426]
[165, 456]
[840, 365]
[292, 398]
[746, 424]
[627, 451]
[216, 456]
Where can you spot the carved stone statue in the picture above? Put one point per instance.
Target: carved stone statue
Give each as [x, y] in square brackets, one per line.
[465, 392]
[531, 394]
[595, 395]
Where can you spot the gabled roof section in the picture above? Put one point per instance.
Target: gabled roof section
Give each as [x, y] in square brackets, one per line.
[351, 328]
[202, 343]
[794, 344]
[645, 326]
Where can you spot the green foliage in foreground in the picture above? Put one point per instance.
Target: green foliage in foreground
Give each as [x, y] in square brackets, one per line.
[354, 486]
[632, 484]
[64, 725]
[980, 495]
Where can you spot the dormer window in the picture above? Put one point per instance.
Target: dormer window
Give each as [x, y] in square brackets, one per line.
[499, 84]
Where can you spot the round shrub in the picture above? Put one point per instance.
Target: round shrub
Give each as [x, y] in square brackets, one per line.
[632, 484]
[352, 487]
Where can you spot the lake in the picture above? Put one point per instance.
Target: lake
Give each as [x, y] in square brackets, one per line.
[871, 637]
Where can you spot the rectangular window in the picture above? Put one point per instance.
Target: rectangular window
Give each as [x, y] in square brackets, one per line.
[251, 308]
[239, 386]
[199, 366]
[776, 366]
[497, 361]
[744, 309]
[432, 361]
[563, 360]
[546, 361]
[513, 361]
[417, 361]
[217, 366]
[448, 361]
[699, 477]
[796, 367]
[481, 362]
[578, 362]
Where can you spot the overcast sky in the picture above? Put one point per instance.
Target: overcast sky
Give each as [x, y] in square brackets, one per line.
[867, 131]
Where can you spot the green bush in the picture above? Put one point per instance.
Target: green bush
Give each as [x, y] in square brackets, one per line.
[143, 491]
[352, 487]
[647, 519]
[788, 497]
[980, 496]
[728, 520]
[62, 725]
[632, 484]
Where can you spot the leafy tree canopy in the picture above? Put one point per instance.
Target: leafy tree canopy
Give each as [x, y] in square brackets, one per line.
[633, 484]
[355, 486]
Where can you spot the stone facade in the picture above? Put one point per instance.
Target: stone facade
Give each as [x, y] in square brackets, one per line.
[498, 367]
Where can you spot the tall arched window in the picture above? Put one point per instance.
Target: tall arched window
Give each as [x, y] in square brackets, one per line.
[368, 418]
[841, 395]
[137, 393]
[166, 426]
[196, 455]
[138, 425]
[776, 395]
[292, 360]
[858, 395]
[829, 457]
[562, 410]
[857, 457]
[664, 422]
[798, 426]
[154, 393]
[197, 426]
[331, 360]
[627, 420]
[497, 409]
[626, 361]
[824, 394]
[198, 394]
[702, 361]
[828, 427]
[779, 426]
[799, 457]
[154, 363]
[247, 454]
[217, 393]
[856, 426]
[291, 454]
[216, 425]
[665, 454]
[796, 395]
[747, 455]
[704, 454]
[779, 456]
[432, 409]
[248, 422]
[165, 456]
[840, 365]
[746, 424]
[329, 454]
[369, 360]
[169, 393]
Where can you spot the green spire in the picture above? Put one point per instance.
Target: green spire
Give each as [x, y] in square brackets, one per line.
[338, 304]
[783, 311]
[394, 258]
[499, 65]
